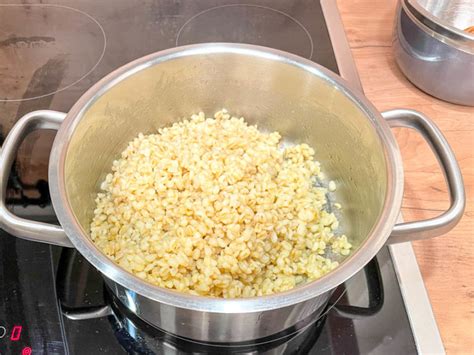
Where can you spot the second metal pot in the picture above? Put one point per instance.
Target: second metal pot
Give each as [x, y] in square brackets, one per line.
[435, 55]
[277, 91]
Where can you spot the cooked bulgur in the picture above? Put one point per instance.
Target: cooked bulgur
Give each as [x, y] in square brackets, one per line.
[215, 207]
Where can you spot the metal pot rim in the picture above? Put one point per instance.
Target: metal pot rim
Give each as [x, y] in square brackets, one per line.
[438, 27]
[349, 267]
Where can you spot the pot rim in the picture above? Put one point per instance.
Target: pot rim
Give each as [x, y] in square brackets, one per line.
[437, 27]
[356, 261]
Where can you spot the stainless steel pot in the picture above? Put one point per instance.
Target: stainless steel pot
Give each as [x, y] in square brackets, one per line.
[276, 90]
[432, 49]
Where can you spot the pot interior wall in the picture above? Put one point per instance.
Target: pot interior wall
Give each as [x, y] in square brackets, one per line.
[302, 105]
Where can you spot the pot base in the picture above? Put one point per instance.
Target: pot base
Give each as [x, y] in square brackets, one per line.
[139, 332]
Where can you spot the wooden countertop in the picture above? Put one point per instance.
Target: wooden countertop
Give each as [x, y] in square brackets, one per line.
[446, 262]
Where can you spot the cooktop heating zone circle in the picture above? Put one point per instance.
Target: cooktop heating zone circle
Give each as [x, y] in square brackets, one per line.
[247, 23]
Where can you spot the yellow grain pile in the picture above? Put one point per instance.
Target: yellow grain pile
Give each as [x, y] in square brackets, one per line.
[215, 207]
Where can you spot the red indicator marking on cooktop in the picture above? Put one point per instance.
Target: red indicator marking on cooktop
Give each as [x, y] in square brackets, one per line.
[26, 351]
[16, 333]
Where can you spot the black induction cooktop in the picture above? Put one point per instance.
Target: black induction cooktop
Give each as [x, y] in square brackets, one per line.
[50, 54]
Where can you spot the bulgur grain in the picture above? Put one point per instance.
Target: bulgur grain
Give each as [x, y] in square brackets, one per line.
[215, 207]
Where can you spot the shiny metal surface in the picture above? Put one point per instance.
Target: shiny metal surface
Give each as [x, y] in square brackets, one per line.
[436, 57]
[298, 98]
[23, 228]
[221, 326]
[447, 220]
[103, 311]
[417, 303]
[210, 77]
[455, 15]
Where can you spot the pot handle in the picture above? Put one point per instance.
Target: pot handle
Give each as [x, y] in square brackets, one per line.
[375, 293]
[433, 227]
[20, 227]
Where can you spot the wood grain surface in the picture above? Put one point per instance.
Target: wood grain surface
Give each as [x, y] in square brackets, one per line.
[447, 262]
